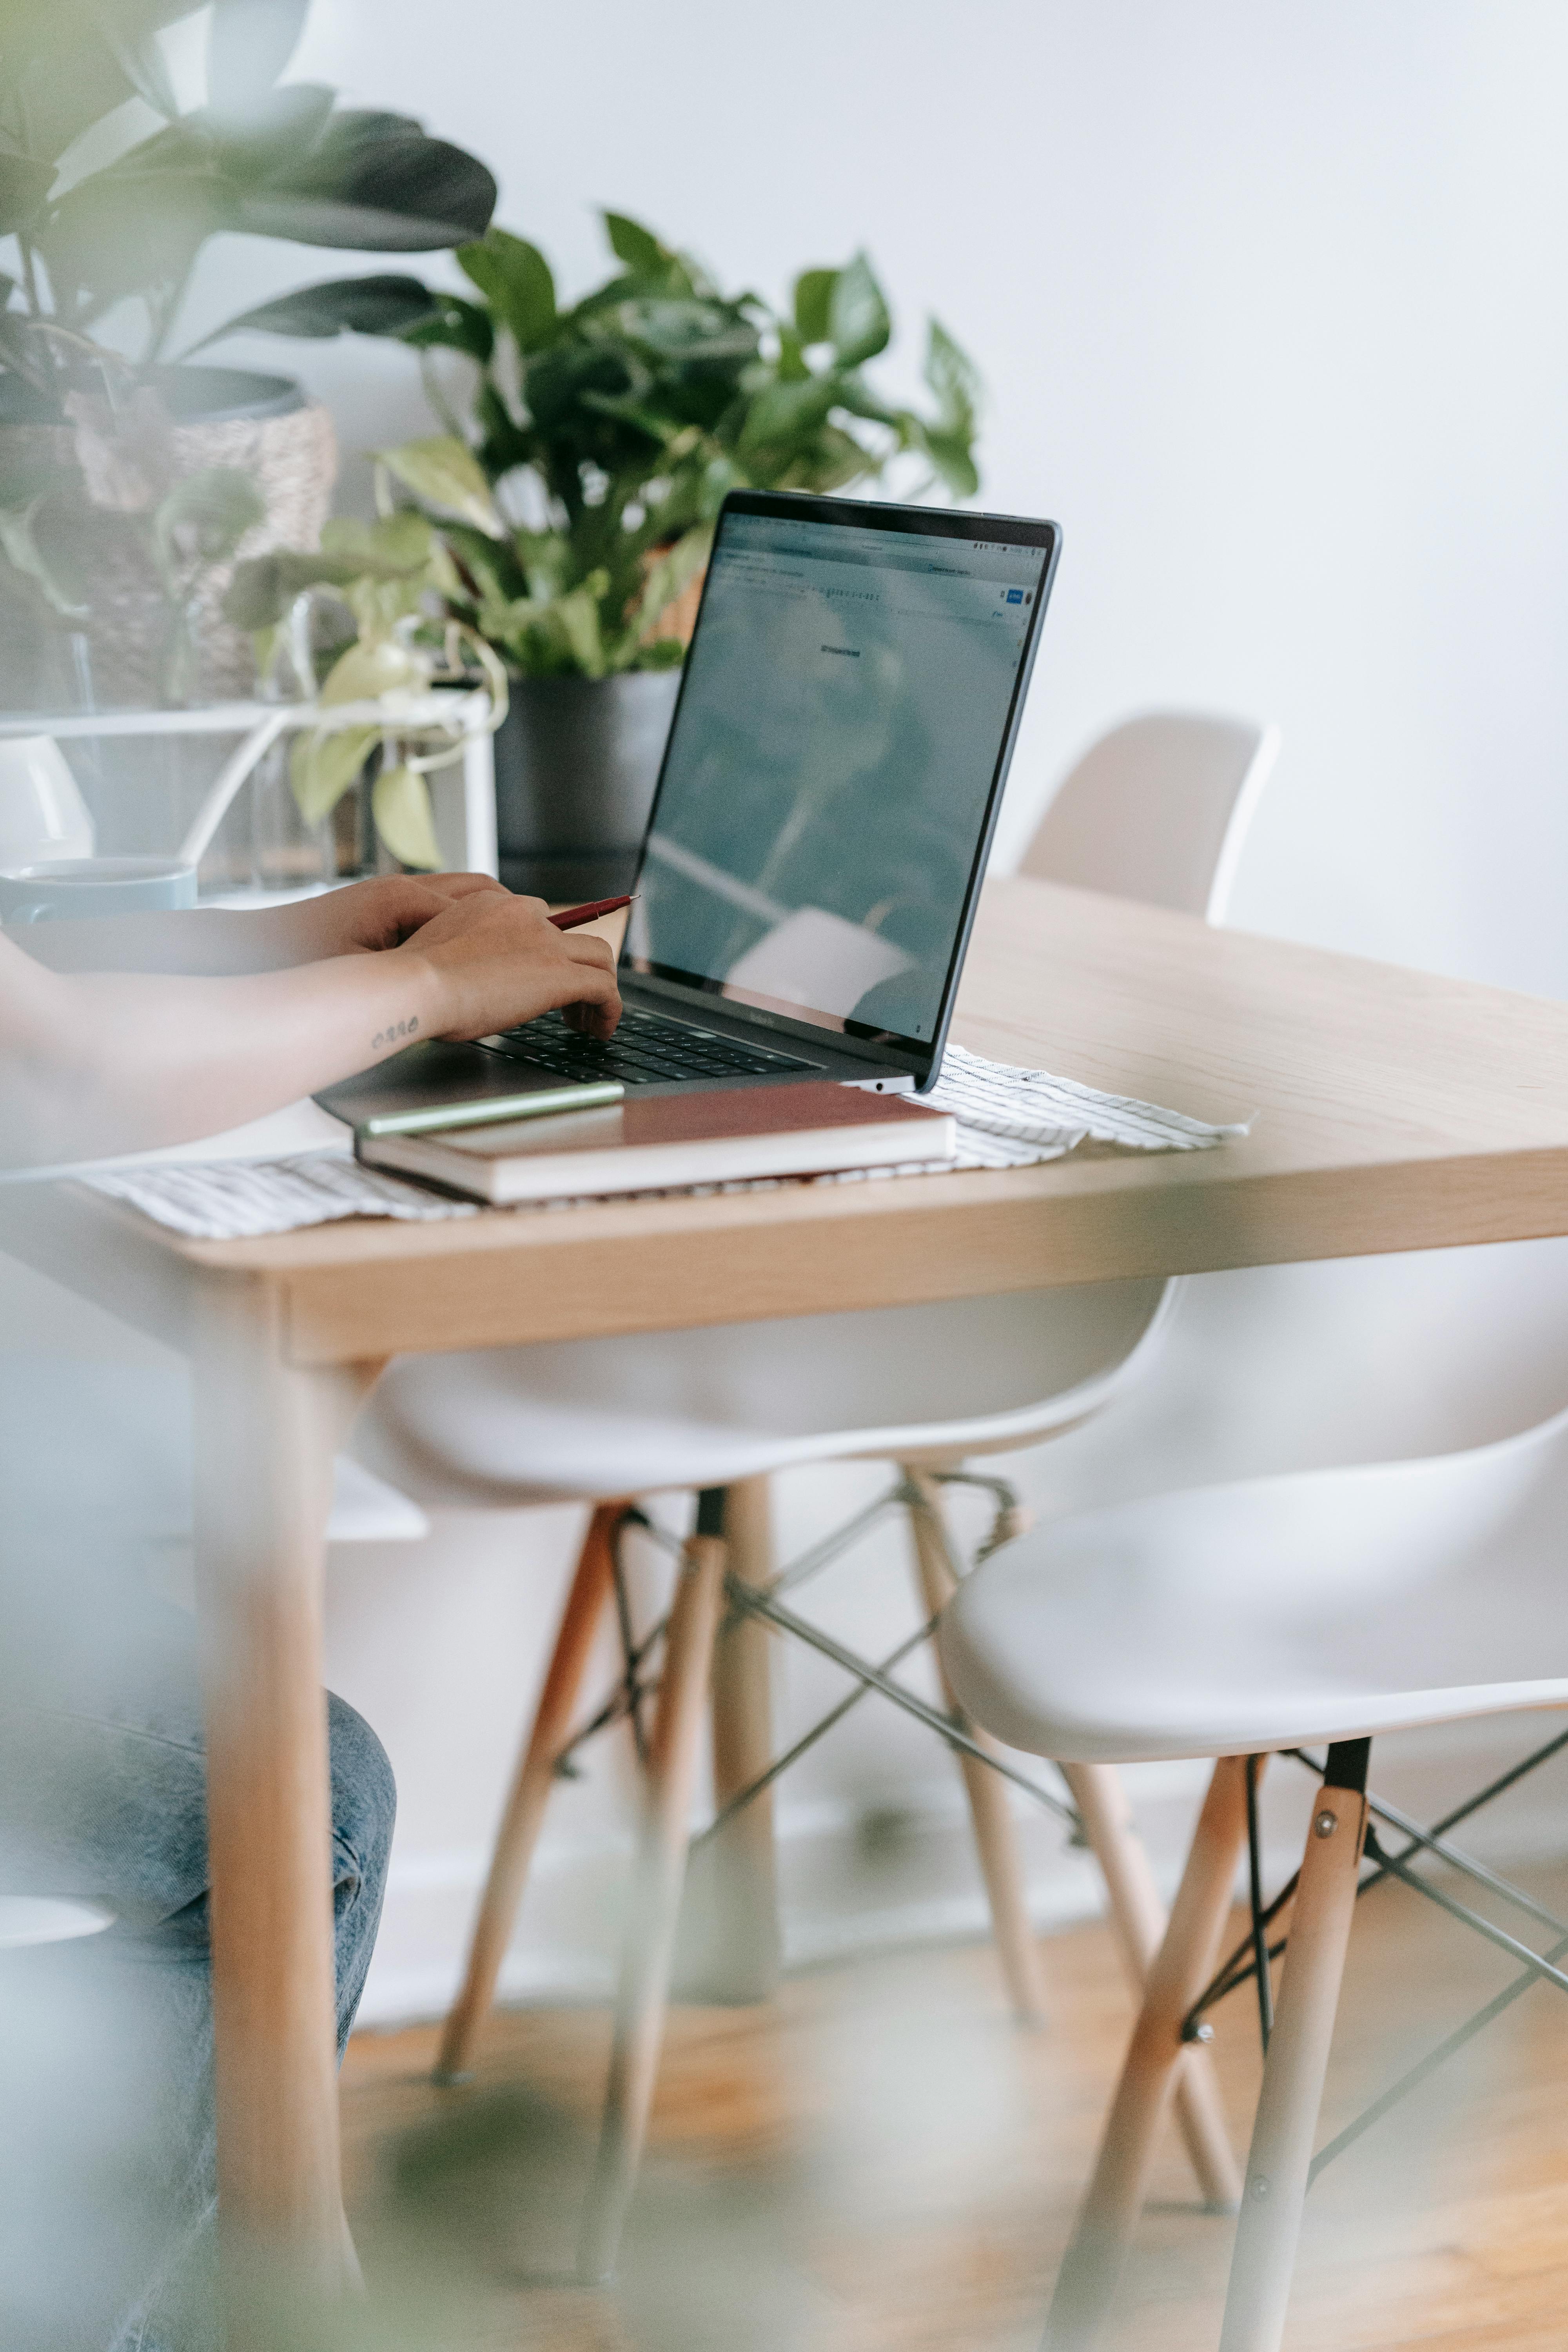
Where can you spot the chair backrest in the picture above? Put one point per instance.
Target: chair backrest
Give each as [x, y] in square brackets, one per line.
[1158, 810]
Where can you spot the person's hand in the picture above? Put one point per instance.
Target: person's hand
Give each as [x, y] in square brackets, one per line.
[495, 960]
[365, 917]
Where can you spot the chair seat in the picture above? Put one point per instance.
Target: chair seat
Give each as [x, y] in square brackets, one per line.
[1303, 1609]
[600, 1418]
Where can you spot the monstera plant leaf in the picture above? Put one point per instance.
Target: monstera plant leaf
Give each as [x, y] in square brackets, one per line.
[376, 183]
[67, 64]
[268, 160]
[380, 304]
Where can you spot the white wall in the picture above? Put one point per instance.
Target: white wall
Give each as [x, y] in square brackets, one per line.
[1269, 301]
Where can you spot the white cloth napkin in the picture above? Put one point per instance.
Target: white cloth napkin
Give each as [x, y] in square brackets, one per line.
[1007, 1117]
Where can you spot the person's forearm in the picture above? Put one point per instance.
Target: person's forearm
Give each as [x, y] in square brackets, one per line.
[212, 940]
[101, 1065]
[208, 941]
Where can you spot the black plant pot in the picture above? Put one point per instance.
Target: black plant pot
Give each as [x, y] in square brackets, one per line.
[576, 762]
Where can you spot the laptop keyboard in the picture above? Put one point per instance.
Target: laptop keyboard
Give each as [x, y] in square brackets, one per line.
[645, 1050]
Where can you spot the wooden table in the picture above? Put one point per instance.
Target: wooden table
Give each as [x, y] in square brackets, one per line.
[1392, 1111]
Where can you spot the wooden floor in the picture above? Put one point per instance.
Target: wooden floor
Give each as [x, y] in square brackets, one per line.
[879, 2159]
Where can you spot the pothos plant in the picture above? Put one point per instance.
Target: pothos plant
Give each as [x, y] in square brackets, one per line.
[389, 579]
[576, 486]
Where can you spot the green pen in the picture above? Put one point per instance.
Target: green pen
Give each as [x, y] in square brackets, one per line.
[542, 1103]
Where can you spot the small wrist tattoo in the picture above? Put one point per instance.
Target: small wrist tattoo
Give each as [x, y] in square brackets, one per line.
[392, 1035]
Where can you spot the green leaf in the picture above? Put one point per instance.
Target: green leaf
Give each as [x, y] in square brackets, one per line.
[111, 235]
[64, 73]
[376, 305]
[393, 545]
[813, 304]
[719, 477]
[373, 668]
[444, 473]
[323, 764]
[515, 279]
[19, 545]
[376, 183]
[275, 136]
[23, 185]
[853, 393]
[859, 324]
[136, 52]
[400, 803]
[578, 616]
[636, 246]
[791, 366]
[24, 353]
[954, 378]
[205, 516]
[503, 442]
[672, 575]
[705, 333]
[249, 42]
[660, 653]
[265, 586]
[455, 324]
[787, 413]
[951, 454]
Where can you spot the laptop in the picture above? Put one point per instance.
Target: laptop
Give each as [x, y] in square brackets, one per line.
[823, 816]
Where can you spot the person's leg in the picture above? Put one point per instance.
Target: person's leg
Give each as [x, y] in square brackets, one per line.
[102, 1770]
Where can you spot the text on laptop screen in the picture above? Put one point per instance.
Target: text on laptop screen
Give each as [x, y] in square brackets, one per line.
[824, 792]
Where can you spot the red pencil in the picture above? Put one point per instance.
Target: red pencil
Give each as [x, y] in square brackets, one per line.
[570, 917]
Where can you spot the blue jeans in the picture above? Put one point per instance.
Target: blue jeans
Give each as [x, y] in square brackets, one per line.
[103, 1798]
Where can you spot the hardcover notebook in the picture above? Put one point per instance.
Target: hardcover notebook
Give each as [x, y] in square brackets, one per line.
[650, 1143]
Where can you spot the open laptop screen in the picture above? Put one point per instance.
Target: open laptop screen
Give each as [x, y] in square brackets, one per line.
[836, 760]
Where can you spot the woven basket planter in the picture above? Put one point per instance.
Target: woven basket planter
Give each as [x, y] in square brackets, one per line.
[223, 416]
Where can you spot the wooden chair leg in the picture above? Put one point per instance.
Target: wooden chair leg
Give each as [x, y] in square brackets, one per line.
[1138, 1917]
[995, 1837]
[660, 1870]
[1182, 1966]
[740, 1954]
[530, 1789]
[1281, 2150]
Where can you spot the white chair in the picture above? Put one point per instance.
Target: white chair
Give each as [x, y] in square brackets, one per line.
[28, 1919]
[1159, 810]
[928, 1387]
[1317, 1608]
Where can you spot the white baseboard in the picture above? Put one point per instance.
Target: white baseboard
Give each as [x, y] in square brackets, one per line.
[855, 1881]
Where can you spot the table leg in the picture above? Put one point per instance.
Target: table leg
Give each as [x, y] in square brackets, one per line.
[738, 1894]
[265, 1436]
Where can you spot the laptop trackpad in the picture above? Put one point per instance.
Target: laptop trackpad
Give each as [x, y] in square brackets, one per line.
[425, 1077]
